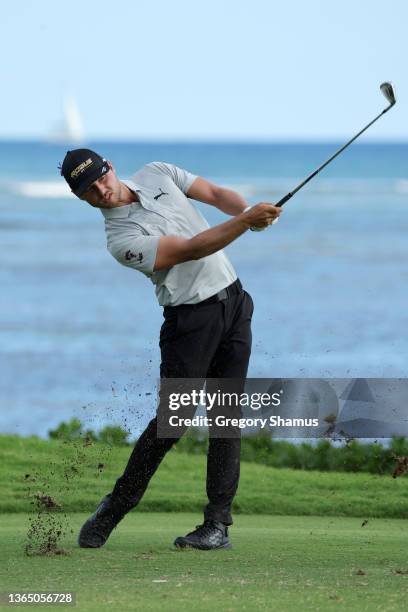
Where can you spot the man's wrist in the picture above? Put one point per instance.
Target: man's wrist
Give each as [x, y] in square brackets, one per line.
[245, 221]
[252, 227]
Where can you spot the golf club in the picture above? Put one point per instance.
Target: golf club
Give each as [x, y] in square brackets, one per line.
[388, 91]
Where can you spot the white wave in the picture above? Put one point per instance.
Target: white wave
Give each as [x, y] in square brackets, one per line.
[335, 186]
[248, 187]
[402, 186]
[247, 190]
[41, 189]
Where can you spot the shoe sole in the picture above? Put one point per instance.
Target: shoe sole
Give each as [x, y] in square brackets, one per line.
[181, 545]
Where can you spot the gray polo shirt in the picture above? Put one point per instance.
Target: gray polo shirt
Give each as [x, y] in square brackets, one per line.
[133, 232]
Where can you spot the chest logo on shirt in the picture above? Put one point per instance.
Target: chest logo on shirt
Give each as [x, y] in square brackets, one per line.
[129, 256]
[156, 197]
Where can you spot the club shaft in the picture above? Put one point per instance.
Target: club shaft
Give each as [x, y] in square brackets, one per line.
[309, 178]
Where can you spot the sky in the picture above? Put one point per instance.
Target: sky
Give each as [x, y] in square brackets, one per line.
[204, 69]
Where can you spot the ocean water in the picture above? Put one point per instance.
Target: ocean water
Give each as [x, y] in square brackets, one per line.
[79, 332]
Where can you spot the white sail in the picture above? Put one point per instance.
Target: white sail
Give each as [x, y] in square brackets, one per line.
[73, 122]
[70, 130]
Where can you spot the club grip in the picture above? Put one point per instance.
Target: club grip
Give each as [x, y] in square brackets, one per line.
[284, 200]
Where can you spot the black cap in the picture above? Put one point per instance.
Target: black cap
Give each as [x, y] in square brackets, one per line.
[81, 168]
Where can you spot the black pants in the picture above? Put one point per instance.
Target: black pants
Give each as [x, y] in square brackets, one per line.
[197, 341]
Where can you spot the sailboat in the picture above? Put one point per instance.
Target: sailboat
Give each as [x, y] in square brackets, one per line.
[70, 130]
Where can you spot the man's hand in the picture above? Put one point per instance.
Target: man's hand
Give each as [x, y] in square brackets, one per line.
[262, 215]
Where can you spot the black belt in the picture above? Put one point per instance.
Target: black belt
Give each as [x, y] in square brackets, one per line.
[234, 289]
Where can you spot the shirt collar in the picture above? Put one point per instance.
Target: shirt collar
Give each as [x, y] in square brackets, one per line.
[120, 212]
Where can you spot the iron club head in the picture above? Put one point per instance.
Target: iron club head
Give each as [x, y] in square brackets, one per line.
[388, 92]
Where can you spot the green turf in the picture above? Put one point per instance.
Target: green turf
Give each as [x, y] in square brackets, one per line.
[277, 563]
[69, 472]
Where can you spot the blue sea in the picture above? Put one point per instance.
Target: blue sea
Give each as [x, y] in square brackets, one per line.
[79, 332]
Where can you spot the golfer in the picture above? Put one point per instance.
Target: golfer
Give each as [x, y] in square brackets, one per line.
[153, 227]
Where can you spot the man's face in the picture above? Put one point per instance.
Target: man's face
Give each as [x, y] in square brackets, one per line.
[104, 192]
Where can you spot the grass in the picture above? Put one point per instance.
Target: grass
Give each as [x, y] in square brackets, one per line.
[277, 563]
[299, 538]
[69, 472]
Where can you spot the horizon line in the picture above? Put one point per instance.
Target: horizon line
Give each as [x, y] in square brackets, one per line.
[203, 141]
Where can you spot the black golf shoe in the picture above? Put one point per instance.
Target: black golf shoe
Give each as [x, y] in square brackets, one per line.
[209, 536]
[97, 529]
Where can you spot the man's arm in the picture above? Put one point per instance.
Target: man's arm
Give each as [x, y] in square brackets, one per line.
[230, 202]
[172, 250]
